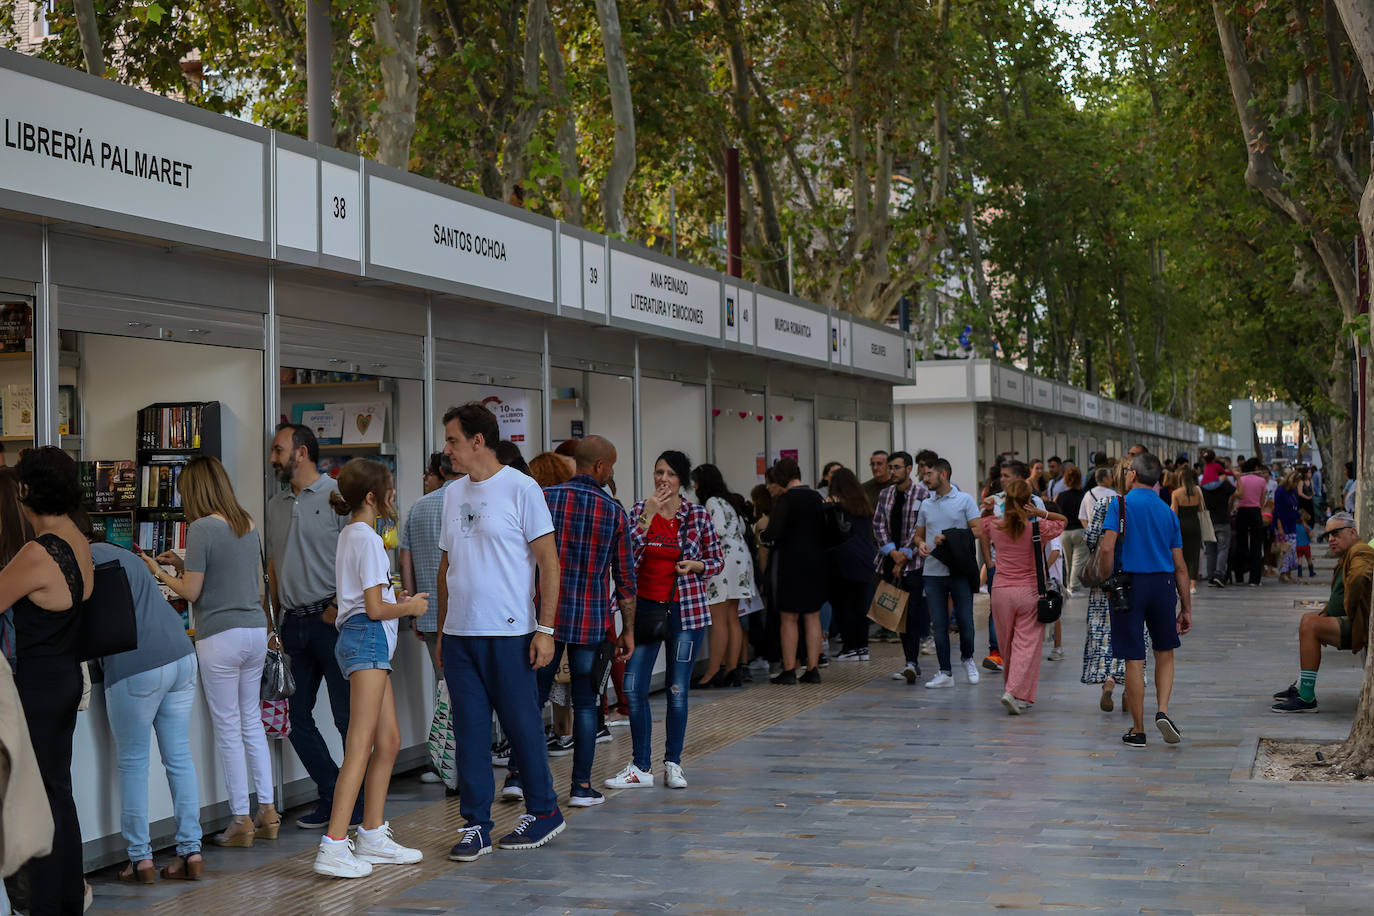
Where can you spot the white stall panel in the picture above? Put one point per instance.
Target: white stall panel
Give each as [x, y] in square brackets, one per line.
[739, 421]
[674, 417]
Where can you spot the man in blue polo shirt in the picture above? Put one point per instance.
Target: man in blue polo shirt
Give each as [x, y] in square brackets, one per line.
[1151, 555]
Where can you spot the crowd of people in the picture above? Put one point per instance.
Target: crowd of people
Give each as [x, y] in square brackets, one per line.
[531, 585]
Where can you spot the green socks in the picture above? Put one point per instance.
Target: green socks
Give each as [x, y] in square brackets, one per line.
[1307, 685]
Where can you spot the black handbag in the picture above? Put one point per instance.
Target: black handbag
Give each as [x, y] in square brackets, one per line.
[1051, 602]
[836, 527]
[651, 623]
[278, 683]
[106, 624]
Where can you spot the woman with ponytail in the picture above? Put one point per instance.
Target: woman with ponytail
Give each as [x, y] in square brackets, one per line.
[368, 611]
[1015, 591]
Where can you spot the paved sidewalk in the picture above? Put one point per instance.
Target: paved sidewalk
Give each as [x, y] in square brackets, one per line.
[866, 796]
[902, 800]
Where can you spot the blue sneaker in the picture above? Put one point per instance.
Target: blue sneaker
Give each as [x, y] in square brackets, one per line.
[513, 790]
[473, 843]
[585, 797]
[533, 831]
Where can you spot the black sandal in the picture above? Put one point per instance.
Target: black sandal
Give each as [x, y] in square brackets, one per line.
[130, 874]
[189, 871]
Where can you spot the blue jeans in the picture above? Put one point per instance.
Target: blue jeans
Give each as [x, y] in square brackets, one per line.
[639, 670]
[309, 643]
[585, 720]
[939, 591]
[161, 700]
[486, 673]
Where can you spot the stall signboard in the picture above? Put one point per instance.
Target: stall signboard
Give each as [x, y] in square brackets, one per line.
[665, 297]
[431, 235]
[1070, 401]
[297, 218]
[841, 340]
[1042, 395]
[1092, 406]
[732, 313]
[745, 306]
[569, 271]
[786, 327]
[1010, 386]
[594, 286]
[341, 211]
[113, 161]
[877, 349]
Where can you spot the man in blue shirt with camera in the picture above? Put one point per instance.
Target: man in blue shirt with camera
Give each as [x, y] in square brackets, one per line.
[1149, 580]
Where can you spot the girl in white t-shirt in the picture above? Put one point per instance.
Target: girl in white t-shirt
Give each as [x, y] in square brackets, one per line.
[368, 611]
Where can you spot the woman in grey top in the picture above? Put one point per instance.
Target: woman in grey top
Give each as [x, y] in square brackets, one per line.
[221, 575]
[151, 688]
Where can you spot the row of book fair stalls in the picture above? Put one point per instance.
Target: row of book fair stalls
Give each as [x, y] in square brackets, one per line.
[986, 412]
[145, 319]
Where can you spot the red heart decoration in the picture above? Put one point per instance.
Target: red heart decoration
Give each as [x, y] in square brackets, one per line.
[761, 420]
[715, 412]
[745, 413]
[778, 417]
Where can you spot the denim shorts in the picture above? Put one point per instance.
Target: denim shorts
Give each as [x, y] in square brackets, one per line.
[362, 644]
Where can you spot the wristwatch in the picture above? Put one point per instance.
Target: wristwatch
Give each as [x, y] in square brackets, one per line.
[547, 631]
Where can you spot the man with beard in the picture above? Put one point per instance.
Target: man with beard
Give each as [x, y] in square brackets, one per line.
[302, 537]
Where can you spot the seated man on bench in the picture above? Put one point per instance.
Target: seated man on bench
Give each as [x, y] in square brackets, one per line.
[1344, 623]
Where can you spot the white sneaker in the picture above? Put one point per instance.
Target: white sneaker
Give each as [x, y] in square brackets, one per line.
[928, 646]
[1011, 703]
[672, 776]
[429, 777]
[900, 674]
[632, 777]
[380, 848]
[336, 860]
[1057, 653]
[940, 680]
[971, 669]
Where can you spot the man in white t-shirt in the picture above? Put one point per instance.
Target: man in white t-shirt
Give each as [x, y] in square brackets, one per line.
[1101, 490]
[496, 533]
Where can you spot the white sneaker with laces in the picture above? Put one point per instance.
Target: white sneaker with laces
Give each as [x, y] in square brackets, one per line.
[380, 848]
[899, 675]
[940, 680]
[672, 776]
[1011, 703]
[971, 669]
[1057, 653]
[429, 777]
[632, 777]
[336, 860]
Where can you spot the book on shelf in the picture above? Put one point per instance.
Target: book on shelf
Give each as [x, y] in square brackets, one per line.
[16, 328]
[325, 420]
[18, 410]
[363, 423]
[159, 483]
[320, 377]
[331, 465]
[108, 486]
[192, 426]
[114, 529]
[66, 409]
[160, 535]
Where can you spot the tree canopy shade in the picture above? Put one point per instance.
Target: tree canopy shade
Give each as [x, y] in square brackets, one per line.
[1160, 210]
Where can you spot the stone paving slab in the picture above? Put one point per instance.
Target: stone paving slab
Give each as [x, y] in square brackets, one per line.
[902, 799]
[893, 799]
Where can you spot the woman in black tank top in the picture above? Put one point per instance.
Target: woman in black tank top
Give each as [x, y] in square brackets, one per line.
[45, 583]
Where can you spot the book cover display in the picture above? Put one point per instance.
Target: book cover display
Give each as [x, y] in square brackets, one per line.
[18, 410]
[16, 328]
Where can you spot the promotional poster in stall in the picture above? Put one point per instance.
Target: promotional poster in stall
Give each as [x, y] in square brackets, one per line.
[511, 407]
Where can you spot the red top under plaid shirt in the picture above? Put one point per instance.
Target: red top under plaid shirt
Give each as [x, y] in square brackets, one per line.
[593, 538]
[699, 542]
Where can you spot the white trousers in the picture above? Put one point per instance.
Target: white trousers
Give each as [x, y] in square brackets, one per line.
[231, 675]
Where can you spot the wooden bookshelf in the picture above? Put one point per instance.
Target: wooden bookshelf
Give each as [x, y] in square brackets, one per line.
[6, 357]
[385, 448]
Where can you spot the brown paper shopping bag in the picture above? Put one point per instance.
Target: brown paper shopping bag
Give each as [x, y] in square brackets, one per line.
[888, 609]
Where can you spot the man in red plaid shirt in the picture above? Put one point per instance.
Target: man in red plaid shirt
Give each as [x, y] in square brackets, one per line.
[593, 537]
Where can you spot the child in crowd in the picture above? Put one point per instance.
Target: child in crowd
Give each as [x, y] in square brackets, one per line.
[368, 611]
[1054, 567]
[1305, 536]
